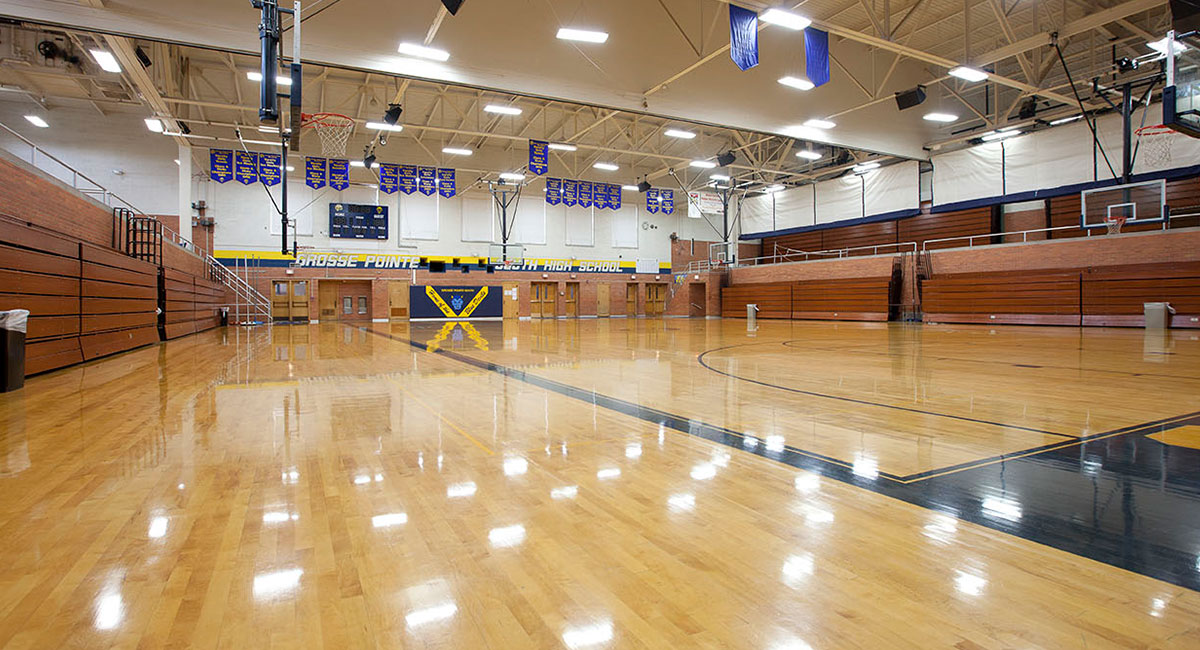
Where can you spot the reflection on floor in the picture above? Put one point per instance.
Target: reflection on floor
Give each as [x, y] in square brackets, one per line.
[609, 483]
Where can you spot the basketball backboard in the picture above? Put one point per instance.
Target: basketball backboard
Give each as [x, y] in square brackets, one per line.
[1135, 203]
[1181, 97]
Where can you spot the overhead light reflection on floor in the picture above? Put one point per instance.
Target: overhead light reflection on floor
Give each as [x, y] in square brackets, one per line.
[567, 492]
[506, 536]
[269, 585]
[424, 616]
[458, 490]
[682, 502]
[584, 636]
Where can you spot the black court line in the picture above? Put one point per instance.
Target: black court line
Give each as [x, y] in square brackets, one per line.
[702, 362]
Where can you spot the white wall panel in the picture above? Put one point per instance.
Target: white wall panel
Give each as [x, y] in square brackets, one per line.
[840, 199]
[478, 223]
[893, 188]
[625, 226]
[973, 173]
[419, 216]
[579, 224]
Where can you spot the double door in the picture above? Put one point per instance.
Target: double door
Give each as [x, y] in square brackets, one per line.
[656, 299]
[289, 300]
[544, 300]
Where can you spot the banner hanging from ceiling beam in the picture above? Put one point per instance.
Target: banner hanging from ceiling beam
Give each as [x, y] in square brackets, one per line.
[816, 55]
[743, 37]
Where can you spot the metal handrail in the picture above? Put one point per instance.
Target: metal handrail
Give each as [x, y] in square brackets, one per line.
[970, 239]
[793, 255]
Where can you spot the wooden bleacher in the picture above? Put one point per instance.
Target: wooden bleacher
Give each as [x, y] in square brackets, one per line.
[1114, 295]
[859, 299]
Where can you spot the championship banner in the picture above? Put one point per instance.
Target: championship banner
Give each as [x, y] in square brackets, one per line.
[652, 201]
[667, 200]
[389, 179]
[269, 173]
[600, 195]
[427, 180]
[245, 167]
[553, 191]
[220, 165]
[455, 303]
[615, 197]
[568, 193]
[539, 157]
[314, 172]
[583, 194]
[339, 174]
[743, 37]
[408, 178]
[446, 184]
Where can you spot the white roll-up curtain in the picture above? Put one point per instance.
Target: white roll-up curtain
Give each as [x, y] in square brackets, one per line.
[419, 216]
[893, 188]
[969, 174]
[578, 224]
[529, 220]
[478, 223]
[840, 199]
[625, 226]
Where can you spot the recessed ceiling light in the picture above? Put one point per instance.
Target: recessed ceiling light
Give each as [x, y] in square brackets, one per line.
[1000, 135]
[773, 189]
[630, 188]
[281, 80]
[677, 133]
[455, 151]
[562, 147]
[719, 177]
[359, 163]
[176, 161]
[511, 176]
[703, 164]
[608, 167]
[502, 110]
[785, 19]
[384, 126]
[154, 124]
[434, 54]
[106, 61]
[268, 129]
[945, 118]
[37, 121]
[820, 124]
[797, 82]
[968, 74]
[809, 154]
[585, 35]
[1066, 120]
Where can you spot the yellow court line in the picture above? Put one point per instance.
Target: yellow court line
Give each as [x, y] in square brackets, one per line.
[443, 418]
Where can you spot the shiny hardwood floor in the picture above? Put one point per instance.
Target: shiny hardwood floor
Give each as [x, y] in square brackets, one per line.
[517, 485]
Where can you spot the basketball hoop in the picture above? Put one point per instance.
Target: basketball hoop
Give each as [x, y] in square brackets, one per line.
[1114, 224]
[333, 129]
[1156, 141]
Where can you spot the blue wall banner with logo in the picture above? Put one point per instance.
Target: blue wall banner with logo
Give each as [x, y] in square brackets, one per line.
[314, 172]
[652, 204]
[667, 198]
[269, 173]
[446, 183]
[455, 303]
[743, 37]
[553, 191]
[539, 157]
[427, 180]
[408, 178]
[616, 197]
[220, 165]
[245, 167]
[389, 179]
[339, 174]
[583, 194]
[568, 193]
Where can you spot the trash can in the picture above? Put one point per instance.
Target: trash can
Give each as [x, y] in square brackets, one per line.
[1158, 315]
[12, 349]
[224, 317]
[751, 316]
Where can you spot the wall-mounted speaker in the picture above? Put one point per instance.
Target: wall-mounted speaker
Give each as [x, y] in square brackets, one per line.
[452, 6]
[908, 98]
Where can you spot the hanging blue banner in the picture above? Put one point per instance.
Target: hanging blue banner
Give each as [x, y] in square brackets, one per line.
[583, 194]
[652, 201]
[743, 37]
[667, 201]
[568, 193]
[615, 197]
[314, 172]
[245, 167]
[427, 180]
[389, 179]
[339, 174]
[408, 178]
[539, 157]
[553, 191]
[600, 195]
[816, 55]
[269, 173]
[446, 183]
[220, 165]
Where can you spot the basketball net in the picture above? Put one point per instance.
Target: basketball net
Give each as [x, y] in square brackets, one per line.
[1154, 143]
[333, 130]
[1114, 225]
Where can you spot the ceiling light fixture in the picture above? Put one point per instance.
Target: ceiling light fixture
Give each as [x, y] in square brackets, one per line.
[512, 176]
[771, 189]
[608, 167]
[154, 124]
[820, 124]
[281, 80]
[1161, 47]
[719, 177]
[1066, 120]
[797, 83]
[630, 188]
[863, 168]
[968, 74]
[584, 35]
[502, 110]
[431, 53]
[785, 19]
[455, 151]
[944, 118]
[809, 154]
[381, 126]
[106, 60]
[703, 164]
[37, 121]
[1000, 135]
[562, 147]
[677, 133]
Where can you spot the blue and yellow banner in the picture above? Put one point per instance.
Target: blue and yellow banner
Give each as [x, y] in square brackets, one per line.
[569, 196]
[652, 201]
[245, 167]
[339, 174]
[553, 191]
[220, 165]
[408, 178]
[455, 302]
[583, 194]
[389, 178]
[314, 172]
[427, 180]
[539, 157]
[269, 171]
[401, 263]
[614, 197]
[667, 201]
[446, 183]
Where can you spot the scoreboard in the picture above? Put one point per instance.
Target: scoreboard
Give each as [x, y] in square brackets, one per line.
[351, 221]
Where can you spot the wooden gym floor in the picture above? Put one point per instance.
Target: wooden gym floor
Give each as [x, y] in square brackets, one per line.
[609, 483]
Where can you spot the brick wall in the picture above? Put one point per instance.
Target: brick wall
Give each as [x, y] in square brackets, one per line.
[1074, 253]
[685, 251]
[34, 197]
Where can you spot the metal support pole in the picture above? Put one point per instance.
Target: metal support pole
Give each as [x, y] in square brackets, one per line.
[1126, 133]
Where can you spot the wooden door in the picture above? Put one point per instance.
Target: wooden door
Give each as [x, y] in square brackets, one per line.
[544, 299]
[354, 300]
[602, 300]
[299, 295]
[397, 299]
[327, 298]
[572, 300]
[656, 300]
[511, 303]
[281, 300]
[631, 299]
